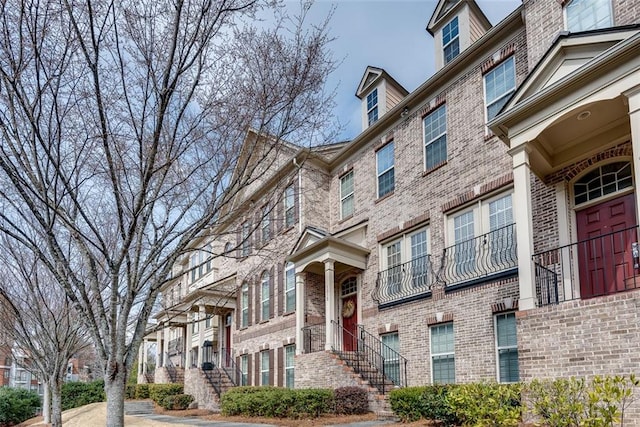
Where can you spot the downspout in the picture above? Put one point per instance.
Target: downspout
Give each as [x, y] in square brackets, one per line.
[300, 211]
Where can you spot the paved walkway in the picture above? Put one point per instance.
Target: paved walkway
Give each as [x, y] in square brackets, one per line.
[144, 409]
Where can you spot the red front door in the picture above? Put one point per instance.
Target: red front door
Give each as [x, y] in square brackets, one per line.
[350, 323]
[605, 263]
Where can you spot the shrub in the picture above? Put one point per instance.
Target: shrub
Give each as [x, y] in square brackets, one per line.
[142, 391]
[276, 402]
[486, 404]
[130, 391]
[17, 405]
[76, 394]
[177, 402]
[430, 402]
[351, 400]
[158, 392]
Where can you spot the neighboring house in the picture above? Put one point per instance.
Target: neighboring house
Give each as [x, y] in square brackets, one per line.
[481, 227]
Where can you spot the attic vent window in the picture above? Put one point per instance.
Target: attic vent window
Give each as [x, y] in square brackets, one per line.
[450, 40]
[372, 107]
[584, 15]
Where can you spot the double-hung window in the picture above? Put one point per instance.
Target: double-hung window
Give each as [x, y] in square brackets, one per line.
[390, 353]
[246, 239]
[289, 207]
[244, 369]
[265, 293]
[372, 107]
[244, 305]
[450, 40]
[507, 348]
[443, 367]
[435, 138]
[264, 367]
[385, 169]
[483, 238]
[200, 263]
[405, 263]
[584, 15]
[499, 84]
[290, 288]
[265, 225]
[346, 195]
[289, 369]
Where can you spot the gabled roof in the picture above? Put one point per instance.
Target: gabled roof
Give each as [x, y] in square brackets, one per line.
[308, 236]
[568, 54]
[371, 77]
[445, 9]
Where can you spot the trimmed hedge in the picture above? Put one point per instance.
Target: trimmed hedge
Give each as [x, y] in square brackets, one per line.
[17, 405]
[351, 401]
[277, 402]
[75, 394]
[158, 392]
[177, 402]
[430, 402]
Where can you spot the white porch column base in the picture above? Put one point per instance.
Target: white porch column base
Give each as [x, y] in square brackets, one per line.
[299, 313]
[329, 302]
[524, 226]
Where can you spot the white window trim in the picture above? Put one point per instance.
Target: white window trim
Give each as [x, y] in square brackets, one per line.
[375, 106]
[405, 246]
[566, 19]
[244, 305]
[288, 208]
[427, 143]
[343, 197]
[444, 46]
[265, 225]
[289, 267]
[245, 236]
[244, 369]
[495, 328]
[265, 300]
[264, 354]
[379, 174]
[431, 354]
[509, 93]
[288, 368]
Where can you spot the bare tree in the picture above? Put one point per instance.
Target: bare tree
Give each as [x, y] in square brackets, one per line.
[121, 123]
[40, 321]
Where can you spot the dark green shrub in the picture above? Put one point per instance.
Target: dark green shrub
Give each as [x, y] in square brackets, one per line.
[130, 391]
[486, 404]
[276, 402]
[142, 391]
[429, 402]
[158, 392]
[76, 394]
[177, 402]
[17, 405]
[351, 400]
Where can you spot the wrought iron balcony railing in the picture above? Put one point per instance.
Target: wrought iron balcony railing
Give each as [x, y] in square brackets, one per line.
[314, 337]
[412, 279]
[492, 254]
[602, 265]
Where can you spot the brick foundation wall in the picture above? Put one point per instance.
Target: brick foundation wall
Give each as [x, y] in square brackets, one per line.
[582, 338]
[196, 385]
[322, 370]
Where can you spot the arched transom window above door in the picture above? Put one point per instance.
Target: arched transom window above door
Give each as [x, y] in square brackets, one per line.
[349, 286]
[602, 181]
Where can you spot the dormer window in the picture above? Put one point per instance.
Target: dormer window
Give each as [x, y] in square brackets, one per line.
[584, 15]
[372, 107]
[450, 40]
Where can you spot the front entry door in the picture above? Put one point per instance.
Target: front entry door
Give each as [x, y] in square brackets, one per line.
[227, 342]
[606, 263]
[350, 323]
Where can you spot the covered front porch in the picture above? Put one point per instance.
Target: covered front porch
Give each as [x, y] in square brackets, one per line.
[573, 128]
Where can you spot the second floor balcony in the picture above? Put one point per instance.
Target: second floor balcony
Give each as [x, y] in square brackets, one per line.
[478, 260]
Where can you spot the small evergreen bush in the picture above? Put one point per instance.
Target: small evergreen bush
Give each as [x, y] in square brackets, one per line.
[17, 405]
[142, 391]
[429, 402]
[351, 400]
[486, 404]
[177, 402]
[75, 394]
[276, 402]
[158, 392]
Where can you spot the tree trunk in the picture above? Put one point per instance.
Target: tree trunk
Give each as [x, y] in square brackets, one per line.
[114, 389]
[46, 403]
[56, 403]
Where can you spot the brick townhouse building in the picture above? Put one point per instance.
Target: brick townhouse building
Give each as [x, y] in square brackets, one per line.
[481, 227]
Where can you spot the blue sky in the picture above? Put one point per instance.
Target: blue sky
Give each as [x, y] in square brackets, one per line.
[387, 34]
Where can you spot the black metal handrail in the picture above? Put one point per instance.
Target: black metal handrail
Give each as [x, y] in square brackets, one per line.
[229, 366]
[175, 346]
[214, 377]
[369, 357]
[484, 256]
[314, 338]
[597, 266]
[404, 281]
[170, 368]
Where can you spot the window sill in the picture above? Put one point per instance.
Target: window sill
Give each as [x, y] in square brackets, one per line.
[346, 218]
[386, 196]
[287, 229]
[435, 168]
[262, 322]
[288, 313]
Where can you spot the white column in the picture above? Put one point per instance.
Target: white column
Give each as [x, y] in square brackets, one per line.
[524, 225]
[329, 302]
[158, 347]
[165, 346]
[188, 343]
[633, 97]
[201, 316]
[145, 356]
[299, 312]
[141, 359]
